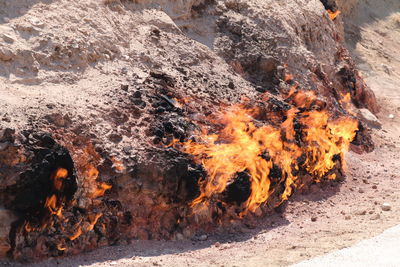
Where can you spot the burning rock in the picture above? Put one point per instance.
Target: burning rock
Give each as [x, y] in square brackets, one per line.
[194, 140]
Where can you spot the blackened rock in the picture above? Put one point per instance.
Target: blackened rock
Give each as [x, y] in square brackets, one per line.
[137, 94]
[115, 137]
[7, 135]
[168, 126]
[158, 132]
[160, 110]
[124, 87]
[239, 191]
[261, 89]
[163, 76]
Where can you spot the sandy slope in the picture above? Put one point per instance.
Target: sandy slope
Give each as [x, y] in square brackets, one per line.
[329, 218]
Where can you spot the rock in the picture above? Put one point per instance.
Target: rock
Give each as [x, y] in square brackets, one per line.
[7, 135]
[7, 38]
[375, 217]
[217, 244]
[391, 116]
[203, 238]
[370, 119]
[313, 219]
[59, 120]
[6, 54]
[386, 69]
[361, 190]
[386, 206]
[115, 137]
[347, 217]
[360, 212]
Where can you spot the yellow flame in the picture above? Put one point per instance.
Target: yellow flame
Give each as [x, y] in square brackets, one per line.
[333, 15]
[243, 141]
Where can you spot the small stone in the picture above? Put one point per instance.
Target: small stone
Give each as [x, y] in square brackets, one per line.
[124, 70]
[386, 206]
[127, 149]
[6, 54]
[58, 119]
[137, 94]
[7, 38]
[115, 138]
[361, 212]
[391, 116]
[203, 238]
[347, 217]
[361, 190]
[374, 187]
[217, 244]
[386, 69]
[313, 219]
[124, 87]
[376, 217]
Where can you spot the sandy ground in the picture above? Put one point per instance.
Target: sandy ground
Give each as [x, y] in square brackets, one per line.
[328, 218]
[382, 250]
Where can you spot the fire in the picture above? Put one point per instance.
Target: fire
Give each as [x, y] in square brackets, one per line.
[247, 145]
[58, 177]
[100, 190]
[77, 234]
[333, 15]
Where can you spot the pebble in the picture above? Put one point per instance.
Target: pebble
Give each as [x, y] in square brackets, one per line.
[386, 206]
[361, 190]
[203, 238]
[391, 116]
[361, 212]
[217, 244]
[7, 38]
[313, 219]
[347, 217]
[376, 217]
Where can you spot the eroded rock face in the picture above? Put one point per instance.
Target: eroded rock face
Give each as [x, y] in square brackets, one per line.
[111, 85]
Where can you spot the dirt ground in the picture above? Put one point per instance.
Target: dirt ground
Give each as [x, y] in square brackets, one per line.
[328, 218]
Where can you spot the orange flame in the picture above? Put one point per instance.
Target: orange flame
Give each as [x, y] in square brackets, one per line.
[100, 190]
[333, 15]
[243, 142]
[51, 205]
[58, 177]
[77, 234]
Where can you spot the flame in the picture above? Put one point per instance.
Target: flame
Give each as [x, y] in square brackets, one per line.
[51, 205]
[58, 177]
[100, 190]
[288, 77]
[77, 234]
[333, 15]
[245, 144]
[93, 218]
